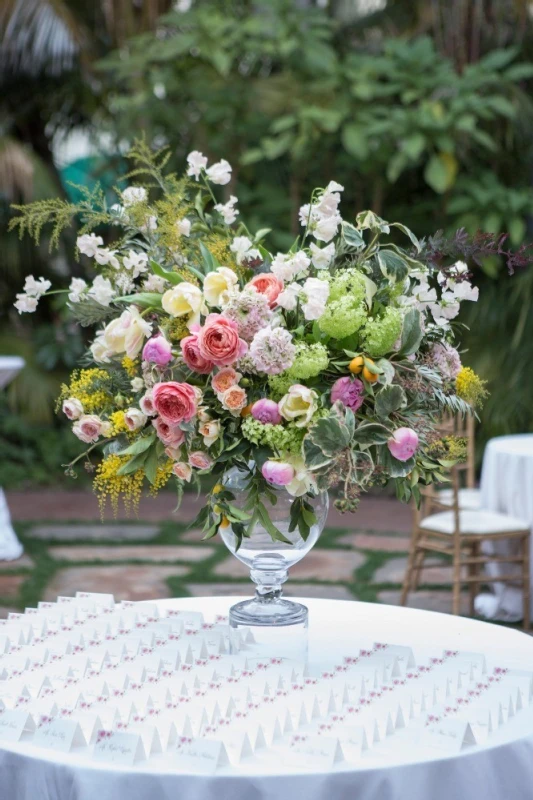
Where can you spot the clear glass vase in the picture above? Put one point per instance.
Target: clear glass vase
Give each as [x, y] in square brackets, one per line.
[274, 620]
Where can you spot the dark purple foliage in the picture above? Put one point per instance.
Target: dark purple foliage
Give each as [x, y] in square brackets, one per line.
[467, 248]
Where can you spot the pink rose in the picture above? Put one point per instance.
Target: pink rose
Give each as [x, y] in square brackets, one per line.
[182, 471]
[234, 399]
[147, 404]
[200, 460]
[266, 411]
[158, 351]
[403, 443]
[170, 435]
[192, 356]
[219, 342]
[350, 392]
[268, 284]
[134, 419]
[88, 428]
[72, 408]
[175, 402]
[224, 380]
[277, 472]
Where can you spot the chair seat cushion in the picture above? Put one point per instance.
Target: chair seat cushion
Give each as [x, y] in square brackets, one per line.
[469, 499]
[482, 523]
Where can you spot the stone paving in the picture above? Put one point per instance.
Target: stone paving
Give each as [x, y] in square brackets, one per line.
[67, 548]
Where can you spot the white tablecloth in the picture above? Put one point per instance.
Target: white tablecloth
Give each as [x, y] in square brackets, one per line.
[507, 487]
[10, 547]
[499, 771]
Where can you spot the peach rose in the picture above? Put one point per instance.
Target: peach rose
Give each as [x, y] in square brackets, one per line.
[219, 342]
[224, 380]
[268, 284]
[192, 356]
[200, 460]
[175, 402]
[182, 471]
[234, 399]
[170, 435]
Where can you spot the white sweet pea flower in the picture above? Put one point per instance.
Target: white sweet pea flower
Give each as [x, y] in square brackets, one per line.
[424, 296]
[137, 384]
[124, 284]
[242, 247]
[465, 291]
[325, 229]
[290, 266]
[88, 244]
[154, 283]
[303, 214]
[333, 186]
[36, 288]
[197, 162]
[218, 285]
[102, 291]
[288, 298]
[321, 257]
[136, 262]
[133, 195]
[26, 304]
[327, 205]
[446, 309]
[184, 226]
[105, 256]
[76, 289]
[219, 173]
[315, 294]
[228, 210]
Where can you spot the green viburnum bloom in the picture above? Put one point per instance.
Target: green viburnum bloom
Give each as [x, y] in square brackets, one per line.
[380, 333]
[310, 360]
[342, 318]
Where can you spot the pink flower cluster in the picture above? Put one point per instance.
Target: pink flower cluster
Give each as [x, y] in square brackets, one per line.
[349, 391]
[217, 343]
[226, 387]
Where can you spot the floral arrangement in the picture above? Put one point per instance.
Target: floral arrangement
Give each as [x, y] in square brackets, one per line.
[325, 366]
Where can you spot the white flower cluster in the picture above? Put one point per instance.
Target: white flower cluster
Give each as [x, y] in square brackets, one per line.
[228, 211]
[313, 296]
[290, 266]
[28, 300]
[219, 173]
[322, 218]
[242, 247]
[454, 287]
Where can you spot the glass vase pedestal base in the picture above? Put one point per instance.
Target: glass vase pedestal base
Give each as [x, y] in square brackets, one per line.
[275, 628]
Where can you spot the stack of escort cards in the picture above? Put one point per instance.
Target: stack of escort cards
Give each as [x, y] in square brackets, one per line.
[124, 684]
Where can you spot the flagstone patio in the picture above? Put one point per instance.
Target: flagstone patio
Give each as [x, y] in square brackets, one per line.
[67, 548]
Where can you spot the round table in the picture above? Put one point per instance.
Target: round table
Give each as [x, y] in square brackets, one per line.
[507, 487]
[501, 770]
[10, 547]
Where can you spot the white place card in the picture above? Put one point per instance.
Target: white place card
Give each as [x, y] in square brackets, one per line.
[313, 750]
[450, 735]
[15, 722]
[58, 734]
[199, 755]
[118, 747]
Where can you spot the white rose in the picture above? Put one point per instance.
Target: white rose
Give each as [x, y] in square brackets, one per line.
[219, 173]
[326, 228]
[134, 194]
[218, 284]
[102, 291]
[127, 333]
[184, 226]
[72, 408]
[316, 295]
[303, 480]
[210, 431]
[76, 289]
[25, 303]
[183, 300]
[137, 384]
[134, 419]
[298, 405]
[197, 162]
[322, 256]
[89, 243]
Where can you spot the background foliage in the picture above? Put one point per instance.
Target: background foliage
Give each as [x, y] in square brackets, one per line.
[422, 110]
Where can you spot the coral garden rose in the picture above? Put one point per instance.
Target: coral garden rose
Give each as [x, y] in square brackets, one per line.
[192, 356]
[298, 405]
[277, 472]
[200, 460]
[234, 399]
[134, 419]
[72, 408]
[182, 470]
[170, 435]
[218, 285]
[225, 379]
[403, 443]
[266, 411]
[157, 351]
[175, 402]
[268, 284]
[89, 427]
[219, 341]
[349, 391]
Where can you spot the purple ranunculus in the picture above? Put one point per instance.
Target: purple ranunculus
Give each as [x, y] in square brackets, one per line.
[266, 411]
[278, 472]
[350, 392]
[403, 443]
[158, 351]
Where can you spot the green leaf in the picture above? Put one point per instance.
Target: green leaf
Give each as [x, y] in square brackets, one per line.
[367, 220]
[330, 435]
[441, 171]
[212, 531]
[387, 368]
[261, 234]
[355, 140]
[409, 233]
[352, 236]
[411, 332]
[313, 455]
[371, 433]
[238, 513]
[168, 275]
[276, 535]
[142, 299]
[392, 265]
[139, 446]
[393, 467]
[414, 145]
[150, 466]
[210, 262]
[389, 399]
[135, 463]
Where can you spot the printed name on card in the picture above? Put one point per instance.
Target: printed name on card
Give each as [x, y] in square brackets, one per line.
[199, 755]
[313, 750]
[449, 735]
[15, 722]
[118, 747]
[58, 734]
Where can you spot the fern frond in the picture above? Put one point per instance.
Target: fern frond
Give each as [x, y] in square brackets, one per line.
[89, 312]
